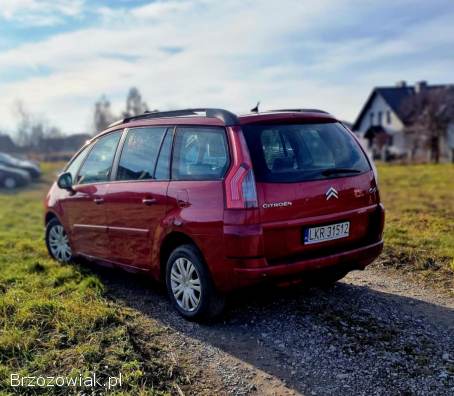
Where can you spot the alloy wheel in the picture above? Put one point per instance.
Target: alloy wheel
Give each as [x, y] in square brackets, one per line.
[185, 283]
[59, 243]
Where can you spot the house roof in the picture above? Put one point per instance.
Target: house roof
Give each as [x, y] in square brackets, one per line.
[6, 143]
[65, 143]
[394, 97]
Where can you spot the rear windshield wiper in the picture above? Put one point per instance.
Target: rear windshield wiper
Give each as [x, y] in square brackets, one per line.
[335, 171]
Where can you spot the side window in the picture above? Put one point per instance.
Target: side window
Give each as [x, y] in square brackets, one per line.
[163, 166]
[98, 164]
[140, 150]
[75, 164]
[200, 154]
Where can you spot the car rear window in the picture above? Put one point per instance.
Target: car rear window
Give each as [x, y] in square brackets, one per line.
[301, 152]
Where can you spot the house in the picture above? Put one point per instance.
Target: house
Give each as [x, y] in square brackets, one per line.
[62, 148]
[70, 143]
[7, 145]
[381, 123]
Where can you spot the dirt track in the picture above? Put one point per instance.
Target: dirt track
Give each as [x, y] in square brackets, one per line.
[370, 334]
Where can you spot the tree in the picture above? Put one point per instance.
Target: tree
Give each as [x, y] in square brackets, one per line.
[429, 113]
[103, 116]
[33, 130]
[134, 104]
[24, 124]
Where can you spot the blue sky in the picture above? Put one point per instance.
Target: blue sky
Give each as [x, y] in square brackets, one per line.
[59, 56]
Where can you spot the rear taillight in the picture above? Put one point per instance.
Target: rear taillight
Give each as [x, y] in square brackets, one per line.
[249, 191]
[240, 181]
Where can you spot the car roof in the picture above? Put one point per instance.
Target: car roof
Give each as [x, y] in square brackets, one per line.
[285, 116]
[273, 116]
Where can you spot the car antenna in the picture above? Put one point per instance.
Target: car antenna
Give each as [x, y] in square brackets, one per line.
[256, 108]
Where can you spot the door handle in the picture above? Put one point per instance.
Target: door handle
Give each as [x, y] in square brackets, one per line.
[183, 204]
[149, 201]
[98, 201]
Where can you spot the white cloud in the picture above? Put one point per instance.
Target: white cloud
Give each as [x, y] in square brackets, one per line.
[232, 54]
[39, 12]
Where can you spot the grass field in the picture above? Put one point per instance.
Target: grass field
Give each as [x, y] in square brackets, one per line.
[56, 320]
[419, 231]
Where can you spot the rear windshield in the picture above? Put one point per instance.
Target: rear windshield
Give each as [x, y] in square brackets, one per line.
[300, 152]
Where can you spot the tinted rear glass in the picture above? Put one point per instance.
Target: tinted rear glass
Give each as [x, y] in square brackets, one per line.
[300, 152]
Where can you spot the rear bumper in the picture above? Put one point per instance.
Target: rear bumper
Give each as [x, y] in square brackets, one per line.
[357, 258]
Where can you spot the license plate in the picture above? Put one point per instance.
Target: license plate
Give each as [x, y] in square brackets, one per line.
[326, 233]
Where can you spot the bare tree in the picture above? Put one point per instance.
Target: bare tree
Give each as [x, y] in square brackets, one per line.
[32, 130]
[24, 124]
[134, 103]
[428, 114]
[103, 115]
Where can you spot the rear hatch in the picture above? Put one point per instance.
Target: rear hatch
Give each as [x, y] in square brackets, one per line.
[316, 189]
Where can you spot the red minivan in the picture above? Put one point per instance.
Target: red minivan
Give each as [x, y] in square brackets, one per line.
[208, 202]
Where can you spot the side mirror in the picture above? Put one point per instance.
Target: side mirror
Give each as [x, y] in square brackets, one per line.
[65, 181]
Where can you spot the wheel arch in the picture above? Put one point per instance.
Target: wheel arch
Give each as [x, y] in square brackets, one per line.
[170, 242]
[49, 216]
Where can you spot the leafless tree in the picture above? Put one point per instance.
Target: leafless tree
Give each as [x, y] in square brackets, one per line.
[24, 124]
[428, 114]
[103, 114]
[31, 129]
[134, 103]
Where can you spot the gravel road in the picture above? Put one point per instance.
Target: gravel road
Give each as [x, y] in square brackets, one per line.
[370, 334]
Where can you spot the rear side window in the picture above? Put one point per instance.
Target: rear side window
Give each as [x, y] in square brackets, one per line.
[139, 153]
[200, 154]
[300, 152]
[98, 165]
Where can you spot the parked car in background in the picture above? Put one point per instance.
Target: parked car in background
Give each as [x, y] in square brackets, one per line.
[207, 202]
[29, 166]
[11, 178]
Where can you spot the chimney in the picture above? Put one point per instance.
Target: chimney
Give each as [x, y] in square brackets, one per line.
[420, 86]
[401, 84]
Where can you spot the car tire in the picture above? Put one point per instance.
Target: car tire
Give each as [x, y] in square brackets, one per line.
[57, 242]
[10, 183]
[190, 287]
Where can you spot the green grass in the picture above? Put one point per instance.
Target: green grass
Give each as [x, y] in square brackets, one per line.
[55, 320]
[419, 230]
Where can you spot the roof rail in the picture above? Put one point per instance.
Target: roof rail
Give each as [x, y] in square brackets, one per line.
[298, 110]
[227, 117]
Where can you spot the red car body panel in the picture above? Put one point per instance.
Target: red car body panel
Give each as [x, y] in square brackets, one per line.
[239, 246]
[134, 211]
[195, 211]
[86, 219]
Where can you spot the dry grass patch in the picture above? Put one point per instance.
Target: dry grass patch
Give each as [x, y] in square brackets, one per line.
[419, 231]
